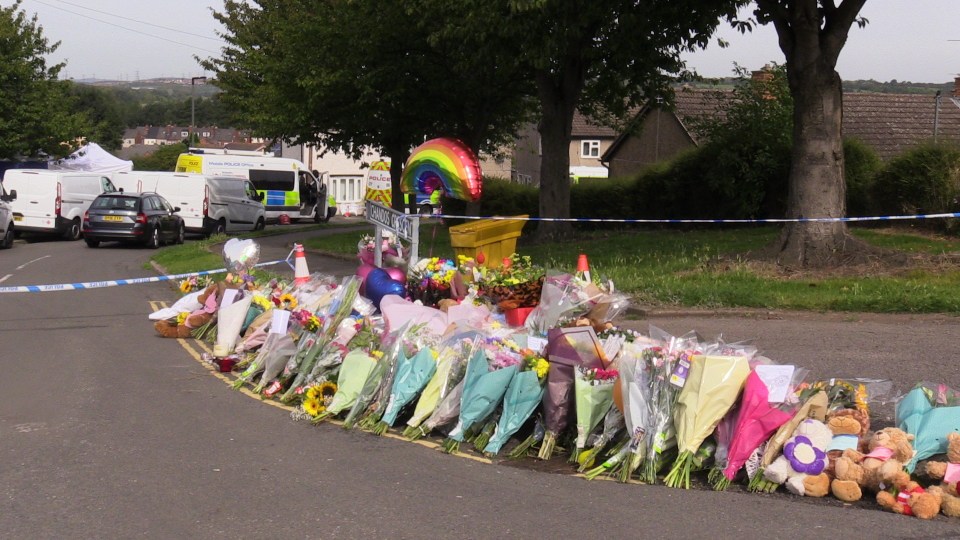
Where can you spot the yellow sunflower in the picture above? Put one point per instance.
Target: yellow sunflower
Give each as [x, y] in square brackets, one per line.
[287, 301]
[313, 406]
[182, 317]
[327, 389]
[186, 286]
[312, 393]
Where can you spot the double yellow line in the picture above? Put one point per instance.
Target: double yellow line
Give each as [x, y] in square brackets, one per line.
[195, 348]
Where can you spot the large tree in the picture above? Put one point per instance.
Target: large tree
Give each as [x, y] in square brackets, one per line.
[37, 115]
[602, 57]
[362, 74]
[811, 35]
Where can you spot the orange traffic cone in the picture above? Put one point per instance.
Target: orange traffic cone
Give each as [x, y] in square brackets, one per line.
[583, 267]
[300, 273]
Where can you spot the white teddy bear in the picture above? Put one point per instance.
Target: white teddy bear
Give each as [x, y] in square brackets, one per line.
[804, 458]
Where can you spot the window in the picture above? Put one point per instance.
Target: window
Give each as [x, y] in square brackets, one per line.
[184, 133]
[266, 180]
[590, 149]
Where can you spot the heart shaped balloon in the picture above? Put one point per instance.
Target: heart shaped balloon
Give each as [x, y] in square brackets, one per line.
[379, 284]
[241, 255]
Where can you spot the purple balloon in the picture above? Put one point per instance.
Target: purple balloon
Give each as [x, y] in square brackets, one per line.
[397, 274]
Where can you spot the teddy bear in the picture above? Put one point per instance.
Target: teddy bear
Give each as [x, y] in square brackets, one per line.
[208, 299]
[949, 474]
[888, 450]
[909, 499]
[801, 466]
[849, 427]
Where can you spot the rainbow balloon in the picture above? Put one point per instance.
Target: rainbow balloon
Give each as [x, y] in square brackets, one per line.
[443, 163]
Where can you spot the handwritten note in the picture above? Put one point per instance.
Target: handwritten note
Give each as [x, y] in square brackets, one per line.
[229, 296]
[777, 378]
[278, 324]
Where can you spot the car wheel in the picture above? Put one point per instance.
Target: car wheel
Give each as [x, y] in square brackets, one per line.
[8, 237]
[92, 243]
[73, 231]
[261, 225]
[153, 241]
[181, 234]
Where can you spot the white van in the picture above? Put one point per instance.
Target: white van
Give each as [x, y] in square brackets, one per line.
[208, 204]
[6, 218]
[288, 187]
[53, 202]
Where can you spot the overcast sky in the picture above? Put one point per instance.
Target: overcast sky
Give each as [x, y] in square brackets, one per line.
[907, 40]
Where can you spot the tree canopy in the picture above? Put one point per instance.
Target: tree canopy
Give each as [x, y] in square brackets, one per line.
[37, 112]
[362, 75]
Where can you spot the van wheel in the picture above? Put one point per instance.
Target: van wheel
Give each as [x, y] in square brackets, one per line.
[92, 243]
[220, 227]
[73, 231]
[181, 234]
[261, 225]
[153, 242]
[7, 242]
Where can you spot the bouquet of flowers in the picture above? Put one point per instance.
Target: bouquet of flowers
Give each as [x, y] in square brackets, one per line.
[194, 283]
[756, 422]
[562, 296]
[567, 349]
[412, 375]
[429, 281]
[522, 398]
[451, 365]
[278, 346]
[484, 385]
[317, 398]
[331, 317]
[712, 386]
[377, 378]
[929, 412]
[392, 250]
[354, 372]
[593, 393]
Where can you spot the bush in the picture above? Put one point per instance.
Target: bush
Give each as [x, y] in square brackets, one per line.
[861, 165]
[925, 179]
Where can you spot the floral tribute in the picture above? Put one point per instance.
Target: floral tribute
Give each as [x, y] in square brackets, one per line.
[569, 385]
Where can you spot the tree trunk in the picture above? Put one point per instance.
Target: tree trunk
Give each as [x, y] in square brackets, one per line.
[817, 187]
[555, 127]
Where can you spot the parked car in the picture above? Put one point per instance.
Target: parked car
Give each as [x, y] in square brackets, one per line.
[6, 217]
[145, 218]
[53, 202]
[208, 204]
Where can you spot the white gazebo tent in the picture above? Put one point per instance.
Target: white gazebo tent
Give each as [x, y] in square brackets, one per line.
[92, 158]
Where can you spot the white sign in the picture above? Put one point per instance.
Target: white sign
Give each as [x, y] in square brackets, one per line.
[777, 378]
[390, 219]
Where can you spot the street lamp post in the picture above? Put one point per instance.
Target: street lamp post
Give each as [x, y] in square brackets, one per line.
[193, 81]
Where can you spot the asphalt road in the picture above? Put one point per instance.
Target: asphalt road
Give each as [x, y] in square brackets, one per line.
[108, 431]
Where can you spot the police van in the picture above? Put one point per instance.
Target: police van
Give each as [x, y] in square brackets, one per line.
[287, 186]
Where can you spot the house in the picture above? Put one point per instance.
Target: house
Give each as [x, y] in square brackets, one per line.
[888, 123]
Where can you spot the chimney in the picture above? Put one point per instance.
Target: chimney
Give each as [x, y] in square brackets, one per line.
[762, 75]
[956, 87]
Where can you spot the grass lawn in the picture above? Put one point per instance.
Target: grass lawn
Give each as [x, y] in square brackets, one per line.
[680, 268]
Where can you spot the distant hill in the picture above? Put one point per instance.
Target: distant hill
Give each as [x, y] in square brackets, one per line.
[174, 87]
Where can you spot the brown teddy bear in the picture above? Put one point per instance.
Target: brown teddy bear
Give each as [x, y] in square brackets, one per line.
[849, 427]
[889, 448]
[938, 470]
[910, 499]
[209, 298]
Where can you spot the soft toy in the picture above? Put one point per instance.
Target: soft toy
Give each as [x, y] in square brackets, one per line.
[803, 461]
[949, 474]
[882, 467]
[909, 499]
[200, 317]
[849, 428]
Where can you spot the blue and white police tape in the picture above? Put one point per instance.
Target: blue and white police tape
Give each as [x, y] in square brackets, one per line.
[116, 282]
[770, 220]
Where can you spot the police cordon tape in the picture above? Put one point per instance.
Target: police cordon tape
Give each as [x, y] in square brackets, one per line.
[771, 220]
[118, 282]
[114, 283]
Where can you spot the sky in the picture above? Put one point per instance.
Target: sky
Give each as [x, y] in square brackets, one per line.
[906, 40]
